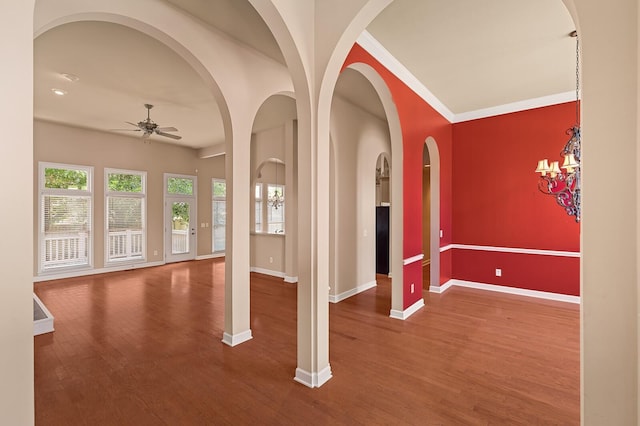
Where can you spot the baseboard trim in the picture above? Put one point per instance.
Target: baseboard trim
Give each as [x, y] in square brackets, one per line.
[96, 271]
[210, 256]
[269, 272]
[440, 288]
[403, 315]
[342, 296]
[235, 339]
[313, 380]
[512, 290]
[44, 325]
[292, 280]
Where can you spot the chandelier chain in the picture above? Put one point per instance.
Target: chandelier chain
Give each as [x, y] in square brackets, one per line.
[577, 80]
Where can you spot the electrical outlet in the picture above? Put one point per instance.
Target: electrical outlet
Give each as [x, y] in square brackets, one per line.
[155, 252]
[441, 233]
[413, 288]
[498, 272]
[270, 259]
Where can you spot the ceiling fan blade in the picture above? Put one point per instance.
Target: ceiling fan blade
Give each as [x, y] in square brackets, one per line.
[124, 130]
[168, 135]
[133, 124]
[166, 129]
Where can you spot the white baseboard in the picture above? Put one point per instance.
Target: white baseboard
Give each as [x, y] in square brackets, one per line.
[236, 339]
[313, 380]
[95, 271]
[342, 296]
[288, 279]
[210, 256]
[511, 290]
[44, 325]
[440, 288]
[269, 272]
[403, 315]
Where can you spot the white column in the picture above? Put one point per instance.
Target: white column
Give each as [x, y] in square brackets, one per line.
[16, 148]
[237, 327]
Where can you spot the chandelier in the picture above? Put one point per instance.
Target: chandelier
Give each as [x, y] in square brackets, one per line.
[563, 182]
[276, 198]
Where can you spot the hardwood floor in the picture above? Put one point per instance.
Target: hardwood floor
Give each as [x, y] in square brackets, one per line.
[143, 348]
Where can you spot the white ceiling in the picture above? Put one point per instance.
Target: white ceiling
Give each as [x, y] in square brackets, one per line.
[469, 54]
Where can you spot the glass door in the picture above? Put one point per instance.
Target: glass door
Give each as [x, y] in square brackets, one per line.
[180, 218]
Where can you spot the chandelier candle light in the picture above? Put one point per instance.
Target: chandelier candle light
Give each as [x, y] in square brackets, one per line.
[563, 182]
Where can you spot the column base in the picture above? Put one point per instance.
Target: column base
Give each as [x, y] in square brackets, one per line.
[236, 339]
[313, 380]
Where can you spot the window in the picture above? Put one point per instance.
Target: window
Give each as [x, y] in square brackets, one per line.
[179, 186]
[125, 204]
[267, 211]
[219, 213]
[258, 208]
[275, 211]
[66, 201]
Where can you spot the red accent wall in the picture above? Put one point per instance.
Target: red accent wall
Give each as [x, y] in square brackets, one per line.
[418, 120]
[488, 192]
[496, 201]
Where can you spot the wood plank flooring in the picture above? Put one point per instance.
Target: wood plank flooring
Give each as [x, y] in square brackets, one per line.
[143, 347]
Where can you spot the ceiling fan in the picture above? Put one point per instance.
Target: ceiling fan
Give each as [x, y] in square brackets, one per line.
[149, 127]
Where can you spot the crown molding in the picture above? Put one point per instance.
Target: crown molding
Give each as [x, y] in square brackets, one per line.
[382, 55]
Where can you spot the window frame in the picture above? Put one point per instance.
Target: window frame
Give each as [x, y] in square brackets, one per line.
[124, 194]
[43, 192]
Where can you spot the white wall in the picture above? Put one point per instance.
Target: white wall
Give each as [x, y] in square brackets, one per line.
[358, 138]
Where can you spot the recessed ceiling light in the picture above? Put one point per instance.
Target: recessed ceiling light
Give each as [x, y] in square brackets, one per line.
[59, 92]
[70, 77]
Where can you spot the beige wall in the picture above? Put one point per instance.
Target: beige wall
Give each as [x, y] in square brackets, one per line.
[70, 145]
[358, 138]
[16, 150]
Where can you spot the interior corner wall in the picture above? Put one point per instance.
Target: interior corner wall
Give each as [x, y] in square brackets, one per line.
[358, 139]
[418, 121]
[71, 145]
[496, 202]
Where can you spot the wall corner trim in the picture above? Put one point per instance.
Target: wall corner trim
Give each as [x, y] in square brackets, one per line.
[345, 295]
[517, 291]
[313, 380]
[236, 339]
[269, 272]
[403, 315]
[440, 288]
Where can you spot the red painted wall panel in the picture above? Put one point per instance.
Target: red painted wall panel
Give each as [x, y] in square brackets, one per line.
[553, 274]
[418, 120]
[488, 192]
[496, 201]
